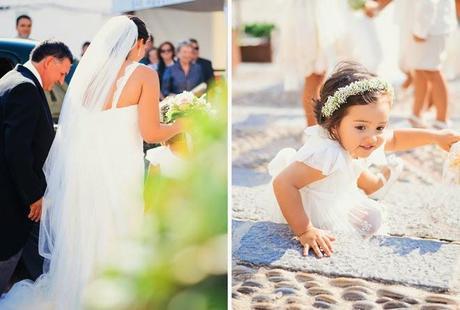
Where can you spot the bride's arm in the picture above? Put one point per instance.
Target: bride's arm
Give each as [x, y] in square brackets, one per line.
[152, 130]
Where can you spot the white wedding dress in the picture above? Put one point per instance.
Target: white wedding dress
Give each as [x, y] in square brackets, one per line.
[95, 174]
[334, 203]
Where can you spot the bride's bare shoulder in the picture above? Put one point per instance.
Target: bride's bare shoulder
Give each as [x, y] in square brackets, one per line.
[145, 73]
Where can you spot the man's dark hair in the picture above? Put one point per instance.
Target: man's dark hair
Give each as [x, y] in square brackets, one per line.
[21, 17]
[51, 48]
[193, 41]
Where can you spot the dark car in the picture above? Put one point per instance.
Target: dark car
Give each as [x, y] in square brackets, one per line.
[17, 51]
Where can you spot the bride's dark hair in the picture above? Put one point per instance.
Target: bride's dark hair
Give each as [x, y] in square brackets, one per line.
[142, 32]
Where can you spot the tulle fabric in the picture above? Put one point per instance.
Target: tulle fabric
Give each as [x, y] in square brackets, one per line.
[94, 172]
[316, 34]
[308, 38]
[334, 203]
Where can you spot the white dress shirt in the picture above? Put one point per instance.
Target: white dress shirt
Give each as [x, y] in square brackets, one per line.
[32, 68]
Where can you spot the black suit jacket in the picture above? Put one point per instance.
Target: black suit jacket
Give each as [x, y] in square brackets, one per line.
[206, 68]
[26, 134]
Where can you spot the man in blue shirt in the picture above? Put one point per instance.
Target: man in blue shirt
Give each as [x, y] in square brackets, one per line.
[205, 64]
[183, 75]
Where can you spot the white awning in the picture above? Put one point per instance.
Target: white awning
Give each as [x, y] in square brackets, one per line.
[83, 6]
[187, 5]
[116, 6]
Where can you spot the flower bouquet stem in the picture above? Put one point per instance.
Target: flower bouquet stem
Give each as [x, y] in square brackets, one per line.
[179, 145]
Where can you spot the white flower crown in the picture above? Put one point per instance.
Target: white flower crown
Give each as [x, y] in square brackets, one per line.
[340, 96]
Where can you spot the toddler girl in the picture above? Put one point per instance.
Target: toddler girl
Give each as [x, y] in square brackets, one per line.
[323, 185]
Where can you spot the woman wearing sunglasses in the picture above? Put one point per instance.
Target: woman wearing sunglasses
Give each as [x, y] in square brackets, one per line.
[166, 55]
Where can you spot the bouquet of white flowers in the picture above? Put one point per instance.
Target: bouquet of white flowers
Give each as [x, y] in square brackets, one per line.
[185, 104]
[182, 105]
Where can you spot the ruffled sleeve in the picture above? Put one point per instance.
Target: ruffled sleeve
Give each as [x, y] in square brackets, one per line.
[319, 152]
[322, 153]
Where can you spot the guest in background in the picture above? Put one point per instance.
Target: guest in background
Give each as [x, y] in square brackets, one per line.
[433, 22]
[184, 75]
[166, 55]
[148, 47]
[205, 64]
[84, 47]
[153, 58]
[23, 26]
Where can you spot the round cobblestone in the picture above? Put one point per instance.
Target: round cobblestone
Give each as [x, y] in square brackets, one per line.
[327, 298]
[317, 291]
[321, 305]
[354, 296]
[247, 290]
[285, 291]
[394, 305]
[364, 305]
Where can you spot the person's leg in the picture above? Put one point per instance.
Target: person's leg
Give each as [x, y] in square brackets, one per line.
[311, 89]
[421, 87]
[6, 270]
[439, 94]
[409, 79]
[30, 256]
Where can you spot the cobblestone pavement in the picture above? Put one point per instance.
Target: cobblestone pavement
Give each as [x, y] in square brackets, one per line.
[263, 288]
[268, 120]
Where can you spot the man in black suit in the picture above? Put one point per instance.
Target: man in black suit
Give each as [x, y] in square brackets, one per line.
[205, 64]
[26, 135]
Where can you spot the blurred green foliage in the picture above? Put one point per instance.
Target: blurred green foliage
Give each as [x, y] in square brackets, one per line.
[179, 260]
[259, 30]
[357, 4]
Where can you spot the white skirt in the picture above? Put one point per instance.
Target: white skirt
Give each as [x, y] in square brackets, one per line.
[428, 55]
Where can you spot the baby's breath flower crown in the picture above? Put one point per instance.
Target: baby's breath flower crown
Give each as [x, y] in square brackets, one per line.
[340, 96]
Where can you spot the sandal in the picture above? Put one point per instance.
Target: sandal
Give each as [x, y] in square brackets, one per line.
[417, 122]
[441, 125]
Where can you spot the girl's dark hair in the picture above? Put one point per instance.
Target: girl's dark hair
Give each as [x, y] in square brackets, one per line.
[344, 74]
[161, 62]
[142, 32]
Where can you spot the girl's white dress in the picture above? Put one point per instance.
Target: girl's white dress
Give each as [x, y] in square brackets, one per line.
[334, 203]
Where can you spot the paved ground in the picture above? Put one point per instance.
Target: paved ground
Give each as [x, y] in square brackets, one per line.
[413, 264]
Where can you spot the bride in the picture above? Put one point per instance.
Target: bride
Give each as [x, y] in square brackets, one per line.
[95, 168]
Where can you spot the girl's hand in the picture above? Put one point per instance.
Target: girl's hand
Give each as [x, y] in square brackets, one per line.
[317, 239]
[446, 137]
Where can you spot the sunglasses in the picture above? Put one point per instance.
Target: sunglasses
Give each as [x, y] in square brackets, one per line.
[166, 51]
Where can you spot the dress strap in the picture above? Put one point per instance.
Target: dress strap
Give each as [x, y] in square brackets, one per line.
[121, 82]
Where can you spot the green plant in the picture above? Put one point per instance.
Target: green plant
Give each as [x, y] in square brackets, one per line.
[179, 261]
[259, 30]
